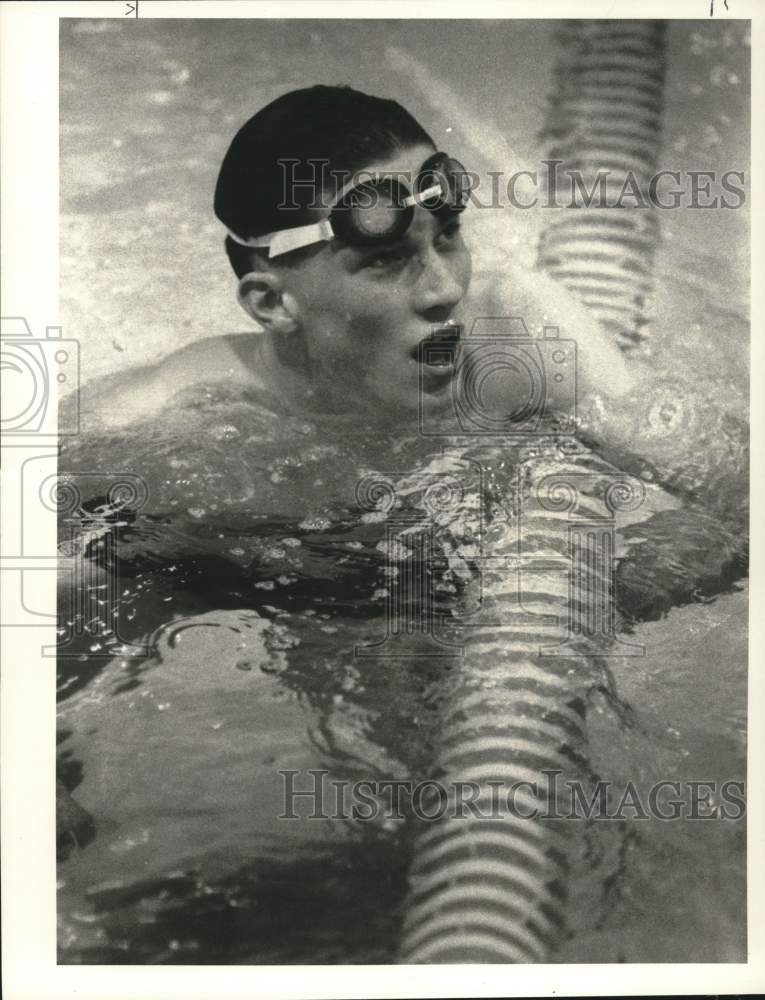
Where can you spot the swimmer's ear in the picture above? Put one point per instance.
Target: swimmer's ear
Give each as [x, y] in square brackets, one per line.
[261, 295]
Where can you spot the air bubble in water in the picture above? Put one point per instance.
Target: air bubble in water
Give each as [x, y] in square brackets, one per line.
[224, 432]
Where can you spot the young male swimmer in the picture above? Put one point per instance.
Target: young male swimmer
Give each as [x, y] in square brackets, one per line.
[346, 291]
[346, 284]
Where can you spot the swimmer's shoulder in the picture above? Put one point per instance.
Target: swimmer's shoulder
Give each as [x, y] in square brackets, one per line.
[140, 393]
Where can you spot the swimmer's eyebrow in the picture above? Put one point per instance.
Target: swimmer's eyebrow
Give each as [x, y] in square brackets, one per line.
[405, 244]
[453, 220]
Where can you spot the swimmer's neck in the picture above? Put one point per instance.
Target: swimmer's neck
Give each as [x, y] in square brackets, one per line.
[288, 374]
[285, 372]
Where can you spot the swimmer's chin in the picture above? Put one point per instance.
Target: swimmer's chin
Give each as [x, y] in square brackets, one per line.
[436, 386]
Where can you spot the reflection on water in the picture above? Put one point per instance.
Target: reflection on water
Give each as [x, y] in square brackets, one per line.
[252, 620]
[190, 864]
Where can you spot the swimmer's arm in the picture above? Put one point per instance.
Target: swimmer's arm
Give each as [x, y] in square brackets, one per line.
[638, 421]
[659, 429]
[676, 557]
[654, 425]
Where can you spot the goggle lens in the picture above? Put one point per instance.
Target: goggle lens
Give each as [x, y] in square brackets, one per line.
[450, 177]
[371, 212]
[382, 209]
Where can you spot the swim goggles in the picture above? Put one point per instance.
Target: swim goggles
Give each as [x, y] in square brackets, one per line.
[379, 208]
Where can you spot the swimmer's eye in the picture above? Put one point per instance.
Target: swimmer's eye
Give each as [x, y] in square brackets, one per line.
[385, 260]
[450, 234]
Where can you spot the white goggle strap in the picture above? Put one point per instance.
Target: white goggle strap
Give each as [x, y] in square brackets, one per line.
[413, 199]
[417, 199]
[285, 240]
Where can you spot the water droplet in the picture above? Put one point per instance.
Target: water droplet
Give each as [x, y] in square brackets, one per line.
[315, 523]
[225, 432]
[278, 638]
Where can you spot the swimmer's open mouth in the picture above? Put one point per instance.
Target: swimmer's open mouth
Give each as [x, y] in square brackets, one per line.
[439, 350]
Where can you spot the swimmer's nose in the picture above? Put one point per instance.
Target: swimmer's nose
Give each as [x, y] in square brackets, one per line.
[438, 290]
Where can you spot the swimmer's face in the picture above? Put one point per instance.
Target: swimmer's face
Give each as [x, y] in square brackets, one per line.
[363, 312]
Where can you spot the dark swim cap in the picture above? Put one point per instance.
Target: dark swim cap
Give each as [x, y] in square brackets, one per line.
[269, 156]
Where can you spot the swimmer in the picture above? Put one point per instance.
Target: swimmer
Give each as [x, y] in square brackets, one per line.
[344, 271]
[343, 296]
[345, 281]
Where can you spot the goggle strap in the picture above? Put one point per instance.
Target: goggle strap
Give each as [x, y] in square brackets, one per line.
[421, 196]
[284, 240]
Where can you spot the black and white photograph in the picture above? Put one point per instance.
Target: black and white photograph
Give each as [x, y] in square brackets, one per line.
[395, 427]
